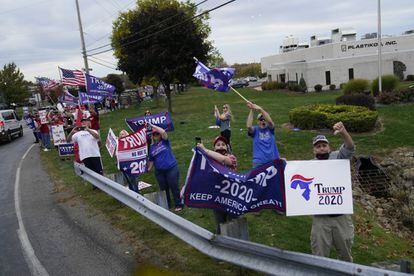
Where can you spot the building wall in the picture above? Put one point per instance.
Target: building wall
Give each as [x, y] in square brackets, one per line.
[338, 58]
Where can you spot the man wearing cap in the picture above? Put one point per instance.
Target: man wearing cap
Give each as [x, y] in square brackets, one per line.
[87, 140]
[336, 230]
[263, 135]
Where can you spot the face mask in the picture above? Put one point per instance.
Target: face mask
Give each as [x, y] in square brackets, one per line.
[322, 156]
[222, 151]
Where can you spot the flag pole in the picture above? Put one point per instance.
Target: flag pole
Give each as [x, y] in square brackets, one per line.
[237, 92]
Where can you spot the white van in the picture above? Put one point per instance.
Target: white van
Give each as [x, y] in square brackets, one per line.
[10, 125]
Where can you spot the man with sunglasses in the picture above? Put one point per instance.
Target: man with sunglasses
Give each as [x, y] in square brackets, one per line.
[263, 135]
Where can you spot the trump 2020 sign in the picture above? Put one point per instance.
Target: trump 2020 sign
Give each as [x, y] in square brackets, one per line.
[318, 187]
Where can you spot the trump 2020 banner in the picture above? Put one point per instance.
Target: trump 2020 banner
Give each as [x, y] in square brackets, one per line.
[318, 187]
[66, 149]
[132, 152]
[111, 142]
[211, 185]
[98, 86]
[162, 119]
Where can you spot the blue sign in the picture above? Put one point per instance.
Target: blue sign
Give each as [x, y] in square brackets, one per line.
[162, 119]
[96, 85]
[90, 99]
[66, 149]
[211, 185]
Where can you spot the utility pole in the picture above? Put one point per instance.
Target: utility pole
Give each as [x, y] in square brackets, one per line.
[85, 58]
[379, 50]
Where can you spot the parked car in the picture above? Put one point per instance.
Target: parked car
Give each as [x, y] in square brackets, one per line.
[251, 79]
[10, 125]
[239, 83]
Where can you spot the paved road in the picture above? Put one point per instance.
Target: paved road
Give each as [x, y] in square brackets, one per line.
[39, 235]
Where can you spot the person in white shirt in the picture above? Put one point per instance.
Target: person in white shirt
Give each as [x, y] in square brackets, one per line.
[87, 140]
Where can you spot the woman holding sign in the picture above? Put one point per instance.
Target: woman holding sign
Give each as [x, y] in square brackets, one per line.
[223, 121]
[166, 167]
[221, 153]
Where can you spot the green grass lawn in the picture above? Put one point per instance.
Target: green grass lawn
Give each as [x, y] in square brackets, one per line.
[193, 114]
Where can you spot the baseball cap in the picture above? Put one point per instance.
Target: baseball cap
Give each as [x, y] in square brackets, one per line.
[85, 119]
[319, 138]
[260, 116]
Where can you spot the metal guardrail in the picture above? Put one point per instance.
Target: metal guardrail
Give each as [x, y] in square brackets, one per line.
[250, 255]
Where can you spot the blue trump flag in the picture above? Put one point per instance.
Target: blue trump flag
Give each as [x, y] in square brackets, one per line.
[216, 78]
[86, 98]
[211, 185]
[98, 86]
[162, 119]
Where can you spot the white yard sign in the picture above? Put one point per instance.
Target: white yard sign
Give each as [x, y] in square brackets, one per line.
[58, 135]
[111, 142]
[43, 117]
[318, 187]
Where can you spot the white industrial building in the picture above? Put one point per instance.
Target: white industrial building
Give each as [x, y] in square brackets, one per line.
[339, 58]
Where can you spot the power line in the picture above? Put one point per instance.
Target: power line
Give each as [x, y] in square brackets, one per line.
[115, 13]
[104, 65]
[149, 27]
[105, 61]
[165, 29]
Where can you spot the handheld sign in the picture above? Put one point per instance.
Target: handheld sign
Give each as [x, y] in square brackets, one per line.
[66, 150]
[132, 152]
[43, 116]
[58, 135]
[111, 141]
[162, 119]
[211, 185]
[318, 187]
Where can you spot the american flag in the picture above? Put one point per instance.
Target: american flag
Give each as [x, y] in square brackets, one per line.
[72, 77]
[52, 85]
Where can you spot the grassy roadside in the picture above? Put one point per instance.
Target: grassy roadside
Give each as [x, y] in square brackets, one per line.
[193, 113]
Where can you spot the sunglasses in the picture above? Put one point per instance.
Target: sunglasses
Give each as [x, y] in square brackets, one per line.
[262, 120]
[224, 107]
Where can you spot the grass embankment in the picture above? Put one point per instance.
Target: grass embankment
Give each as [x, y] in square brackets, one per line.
[193, 114]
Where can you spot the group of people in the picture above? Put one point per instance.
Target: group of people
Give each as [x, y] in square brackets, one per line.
[327, 230]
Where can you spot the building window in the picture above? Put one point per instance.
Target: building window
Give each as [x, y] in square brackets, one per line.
[351, 73]
[328, 77]
[297, 78]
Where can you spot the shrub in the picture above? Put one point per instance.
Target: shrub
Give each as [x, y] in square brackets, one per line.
[294, 87]
[410, 78]
[355, 118]
[302, 84]
[342, 85]
[358, 100]
[403, 95]
[356, 86]
[272, 85]
[389, 83]
[332, 87]
[318, 87]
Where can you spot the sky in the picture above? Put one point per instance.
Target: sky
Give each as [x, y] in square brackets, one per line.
[40, 35]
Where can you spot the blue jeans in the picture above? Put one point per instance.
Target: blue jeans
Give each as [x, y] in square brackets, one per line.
[45, 140]
[169, 180]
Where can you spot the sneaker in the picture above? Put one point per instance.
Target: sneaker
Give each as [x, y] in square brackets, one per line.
[46, 149]
[178, 209]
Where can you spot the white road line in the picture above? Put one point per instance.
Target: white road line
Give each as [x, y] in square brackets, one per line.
[36, 268]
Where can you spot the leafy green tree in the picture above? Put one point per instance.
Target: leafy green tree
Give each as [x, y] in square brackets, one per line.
[13, 87]
[215, 59]
[148, 42]
[116, 81]
[247, 69]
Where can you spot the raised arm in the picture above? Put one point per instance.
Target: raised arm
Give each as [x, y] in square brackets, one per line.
[216, 156]
[249, 122]
[340, 129]
[161, 131]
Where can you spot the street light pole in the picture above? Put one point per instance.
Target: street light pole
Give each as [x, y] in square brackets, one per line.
[85, 58]
[379, 50]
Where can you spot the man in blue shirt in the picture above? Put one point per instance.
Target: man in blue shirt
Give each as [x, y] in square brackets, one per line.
[263, 135]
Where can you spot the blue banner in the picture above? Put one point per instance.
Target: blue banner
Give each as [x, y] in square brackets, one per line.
[96, 85]
[162, 119]
[90, 99]
[211, 185]
[66, 149]
[216, 78]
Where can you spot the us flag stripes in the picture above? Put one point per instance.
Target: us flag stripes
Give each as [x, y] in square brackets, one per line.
[72, 77]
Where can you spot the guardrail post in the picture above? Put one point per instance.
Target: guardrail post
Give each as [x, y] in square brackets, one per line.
[405, 266]
[159, 198]
[236, 228]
